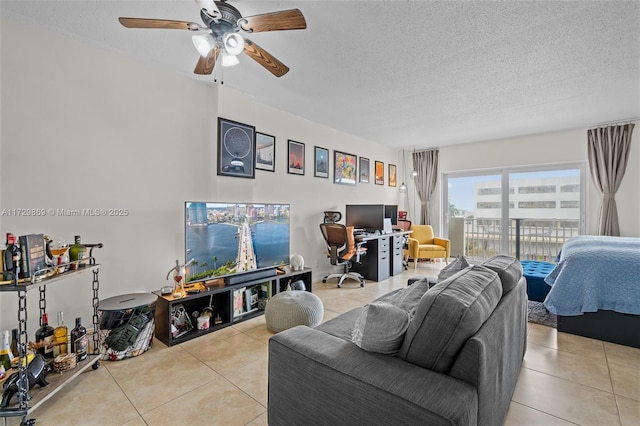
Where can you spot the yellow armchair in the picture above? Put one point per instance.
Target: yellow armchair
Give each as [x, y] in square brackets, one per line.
[423, 245]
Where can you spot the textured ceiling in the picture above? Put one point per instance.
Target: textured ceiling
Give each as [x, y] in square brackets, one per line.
[404, 73]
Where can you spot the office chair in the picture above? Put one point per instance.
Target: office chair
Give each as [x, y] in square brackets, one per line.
[332, 217]
[343, 250]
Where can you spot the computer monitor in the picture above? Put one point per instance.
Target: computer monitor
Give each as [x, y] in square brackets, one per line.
[391, 212]
[369, 217]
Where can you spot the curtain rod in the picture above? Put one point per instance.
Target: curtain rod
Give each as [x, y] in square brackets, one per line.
[617, 123]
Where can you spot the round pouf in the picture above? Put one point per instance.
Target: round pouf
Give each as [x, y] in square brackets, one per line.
[291, 308]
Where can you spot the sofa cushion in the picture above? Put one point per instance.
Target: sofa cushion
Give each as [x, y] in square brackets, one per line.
[508, 268]
[453, 268]
[380, 328]
[447, 315]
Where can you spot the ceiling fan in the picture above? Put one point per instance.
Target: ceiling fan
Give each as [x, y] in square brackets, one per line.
[223, 23]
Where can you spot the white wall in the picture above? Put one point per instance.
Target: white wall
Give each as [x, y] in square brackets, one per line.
[86, 128]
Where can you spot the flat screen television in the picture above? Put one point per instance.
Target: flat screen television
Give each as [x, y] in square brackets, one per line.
[369, 217]
[224, 239]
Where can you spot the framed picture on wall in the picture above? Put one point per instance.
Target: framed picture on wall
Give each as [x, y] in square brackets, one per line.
[265, 152]
[379, 170]
[392, 174]
[296, 158]
[321, 162]
[365, 169]
[236, 149]
[345, 168]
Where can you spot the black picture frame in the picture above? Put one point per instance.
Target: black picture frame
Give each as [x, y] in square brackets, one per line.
[295, 156]
[265, 152]
[321, 162]
[345, 168]
[236, 149]
[365, 170]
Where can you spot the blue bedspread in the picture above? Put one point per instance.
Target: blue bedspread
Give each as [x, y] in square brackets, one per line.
[596, 272]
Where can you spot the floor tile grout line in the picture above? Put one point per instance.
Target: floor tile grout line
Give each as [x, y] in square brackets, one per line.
[570, 381]
[544, 412]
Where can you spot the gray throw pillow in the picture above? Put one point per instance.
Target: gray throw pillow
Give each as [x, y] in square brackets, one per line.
[453, 268]
[380, 328]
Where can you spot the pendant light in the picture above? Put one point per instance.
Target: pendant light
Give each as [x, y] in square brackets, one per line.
[403, 186]
[414, 172]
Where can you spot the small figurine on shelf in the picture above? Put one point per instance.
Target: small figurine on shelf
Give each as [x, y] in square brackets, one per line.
[178, 275]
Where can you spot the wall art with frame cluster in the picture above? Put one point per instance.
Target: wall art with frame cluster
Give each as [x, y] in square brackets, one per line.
[242, 150]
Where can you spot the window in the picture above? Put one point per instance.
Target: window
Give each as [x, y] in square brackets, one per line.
[525, 212]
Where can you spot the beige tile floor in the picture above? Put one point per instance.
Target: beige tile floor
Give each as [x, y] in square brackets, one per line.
[221, 378]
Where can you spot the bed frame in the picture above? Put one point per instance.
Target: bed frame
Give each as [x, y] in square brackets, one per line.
[604, 325]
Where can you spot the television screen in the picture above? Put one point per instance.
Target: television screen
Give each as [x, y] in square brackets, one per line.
[369, 217]
[231, 238]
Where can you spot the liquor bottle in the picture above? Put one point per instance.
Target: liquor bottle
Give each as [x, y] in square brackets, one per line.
[77, 253]
[60, 339]
[5, 359]
[79, 340]
[14, 343]
[44, 338]
[11, 258]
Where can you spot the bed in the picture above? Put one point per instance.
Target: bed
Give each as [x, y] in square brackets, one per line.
[595, 288]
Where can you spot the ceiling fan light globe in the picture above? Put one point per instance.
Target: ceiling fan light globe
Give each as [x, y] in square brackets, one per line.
[233, 43]
[203, 43]
[229, 60]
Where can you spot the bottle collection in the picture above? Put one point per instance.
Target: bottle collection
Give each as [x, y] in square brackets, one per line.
[37, 254]
[51, 343]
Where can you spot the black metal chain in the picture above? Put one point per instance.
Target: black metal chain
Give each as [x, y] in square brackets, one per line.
[23, 384]
[43, 301]
[96, 331]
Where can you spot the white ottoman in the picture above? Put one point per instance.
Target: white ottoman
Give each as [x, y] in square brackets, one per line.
[291, 308]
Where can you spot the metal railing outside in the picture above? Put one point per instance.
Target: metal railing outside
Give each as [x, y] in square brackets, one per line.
[537, 239]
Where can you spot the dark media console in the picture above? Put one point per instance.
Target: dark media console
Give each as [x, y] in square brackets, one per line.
[230, 300]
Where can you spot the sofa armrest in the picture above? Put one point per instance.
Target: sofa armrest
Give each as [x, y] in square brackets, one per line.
[317, 378]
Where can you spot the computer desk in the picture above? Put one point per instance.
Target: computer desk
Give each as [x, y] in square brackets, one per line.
[384, 255]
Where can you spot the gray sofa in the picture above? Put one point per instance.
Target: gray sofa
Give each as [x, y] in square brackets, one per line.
[457, 362]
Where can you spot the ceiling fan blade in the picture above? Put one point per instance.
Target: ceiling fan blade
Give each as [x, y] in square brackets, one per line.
[205, 65]
[160, 23]
[264, 58]
[275, 21]
[210, 7]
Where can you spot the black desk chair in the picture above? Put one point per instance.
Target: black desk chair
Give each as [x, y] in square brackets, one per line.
[343, 250]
